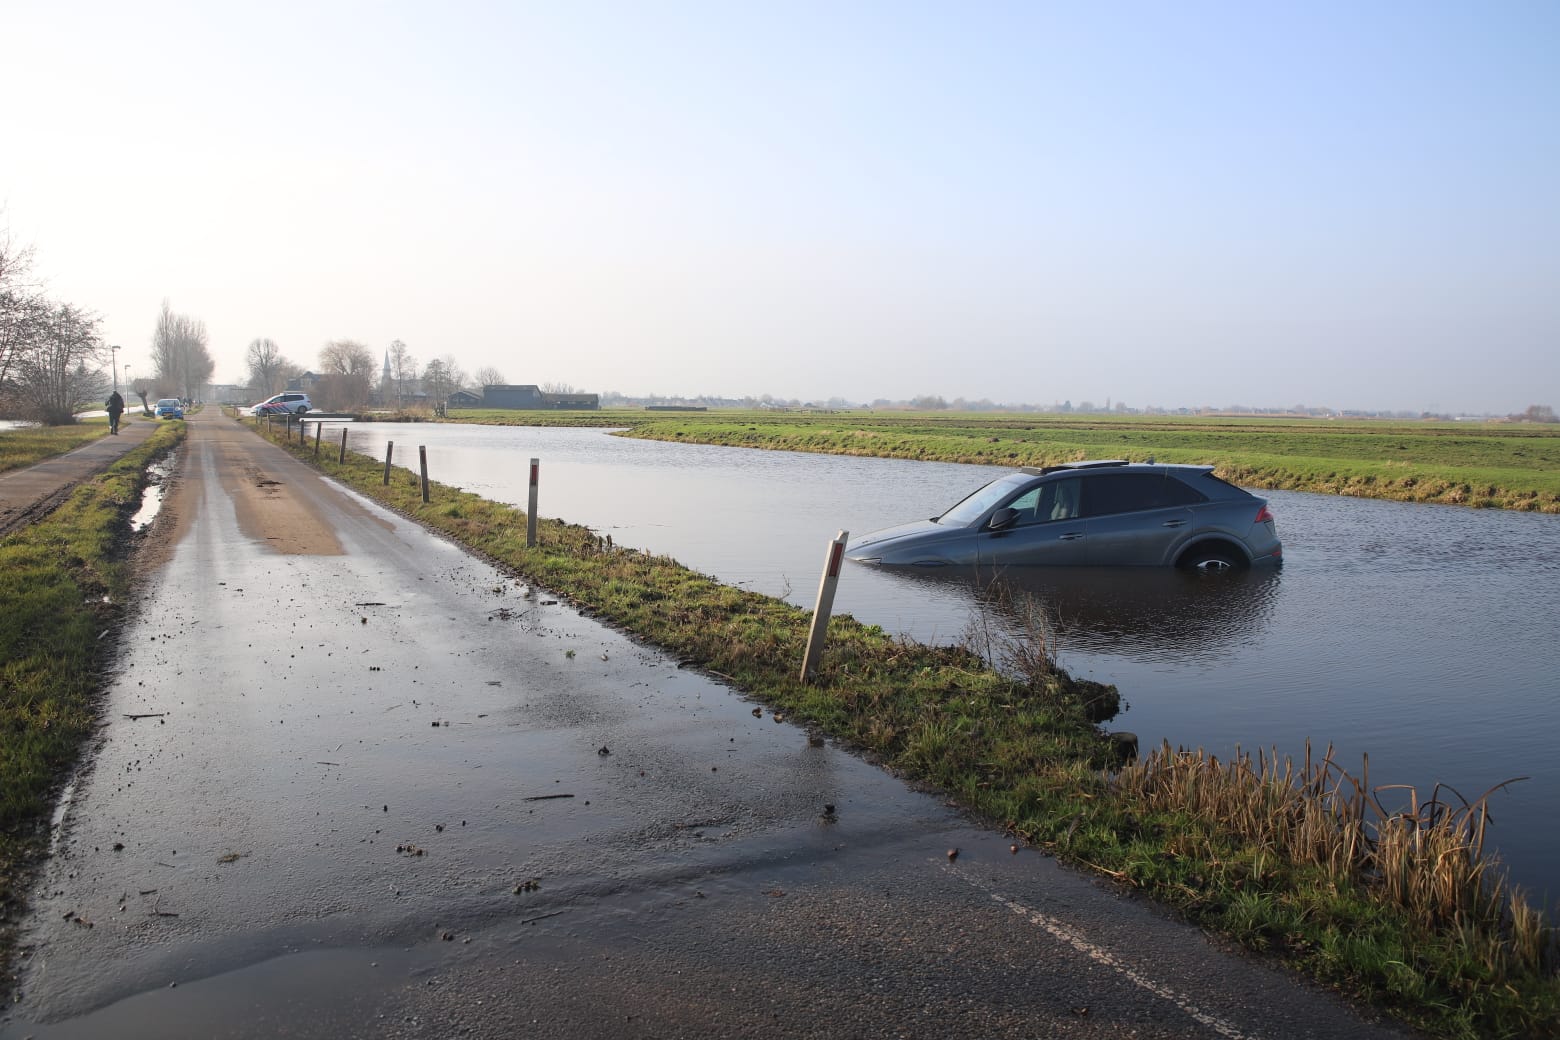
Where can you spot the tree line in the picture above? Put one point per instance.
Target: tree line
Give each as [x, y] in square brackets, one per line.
[349, 376]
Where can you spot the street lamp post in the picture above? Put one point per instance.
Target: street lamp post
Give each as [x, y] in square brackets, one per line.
[129, 385]
[113, 360]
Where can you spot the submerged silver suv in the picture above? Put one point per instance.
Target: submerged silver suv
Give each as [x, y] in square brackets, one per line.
[1101, 513]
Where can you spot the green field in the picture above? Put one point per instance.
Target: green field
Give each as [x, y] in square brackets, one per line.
[32, 444]
[1488, 465]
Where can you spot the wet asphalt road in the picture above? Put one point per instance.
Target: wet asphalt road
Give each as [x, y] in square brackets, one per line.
[395, 793]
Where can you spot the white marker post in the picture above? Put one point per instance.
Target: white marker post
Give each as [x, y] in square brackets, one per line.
[530, 511]
[820, 621]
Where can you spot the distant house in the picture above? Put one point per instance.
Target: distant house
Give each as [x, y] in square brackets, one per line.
[573, 402]
[466, 399]
[306, 382]
[530, 396]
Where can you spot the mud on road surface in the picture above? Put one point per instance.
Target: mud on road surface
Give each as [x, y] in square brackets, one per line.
[353, 782]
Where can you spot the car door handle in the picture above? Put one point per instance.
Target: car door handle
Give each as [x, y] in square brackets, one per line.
[1175, 523]
[1070, 536]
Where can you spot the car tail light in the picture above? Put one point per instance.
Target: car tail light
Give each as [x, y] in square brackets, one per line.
[1264, 515]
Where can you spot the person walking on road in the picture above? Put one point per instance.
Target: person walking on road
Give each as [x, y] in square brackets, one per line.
[116, 408]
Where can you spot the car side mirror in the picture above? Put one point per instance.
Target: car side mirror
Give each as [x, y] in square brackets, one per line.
[1002, 518]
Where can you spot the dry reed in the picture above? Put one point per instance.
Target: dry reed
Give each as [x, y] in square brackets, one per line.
[1427, 858]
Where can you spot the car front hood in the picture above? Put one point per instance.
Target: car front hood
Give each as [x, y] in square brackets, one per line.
[892, 543]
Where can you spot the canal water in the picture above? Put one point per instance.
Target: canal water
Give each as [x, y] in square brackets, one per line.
[1426, 637]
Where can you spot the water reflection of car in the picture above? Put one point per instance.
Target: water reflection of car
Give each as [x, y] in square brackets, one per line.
[1101, 513]
[1153, 614]
[170, 408]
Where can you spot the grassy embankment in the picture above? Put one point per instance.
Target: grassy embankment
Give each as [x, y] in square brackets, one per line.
[32, 444]
[63, 581]
[1492, 465]
[1303, 861]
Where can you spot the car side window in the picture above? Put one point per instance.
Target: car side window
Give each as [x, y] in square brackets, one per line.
[1027, 507]
[1178, 493]
[1110, 493]
[1115, 493]
[1061, 499]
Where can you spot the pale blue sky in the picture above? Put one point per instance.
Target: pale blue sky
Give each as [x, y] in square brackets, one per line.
[1345, 204]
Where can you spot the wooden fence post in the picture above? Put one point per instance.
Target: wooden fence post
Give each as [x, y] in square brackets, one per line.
[389, 452]
[820, 621]
[422, 458]
[342, 458]
[530, 512]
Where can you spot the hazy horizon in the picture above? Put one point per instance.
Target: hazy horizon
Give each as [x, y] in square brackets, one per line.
[1171, 205]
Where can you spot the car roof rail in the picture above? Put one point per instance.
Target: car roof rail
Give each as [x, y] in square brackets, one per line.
[1085, 464]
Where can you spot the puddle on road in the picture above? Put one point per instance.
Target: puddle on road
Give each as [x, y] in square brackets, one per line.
[343, 991]
[156, 491]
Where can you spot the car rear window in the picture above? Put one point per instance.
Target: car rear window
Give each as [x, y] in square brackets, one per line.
[1219, 488]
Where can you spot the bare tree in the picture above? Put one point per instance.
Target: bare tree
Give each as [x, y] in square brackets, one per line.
[60, 371]
[347, 357]
[487, 375]
[441, 378]
[558, 388]
[348, 375]
[23, 310]
[181, 354]
[403, 369]
[266, 366]
[453, 372]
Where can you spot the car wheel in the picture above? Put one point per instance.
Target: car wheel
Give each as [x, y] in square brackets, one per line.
[302, 409]
[1210, 561]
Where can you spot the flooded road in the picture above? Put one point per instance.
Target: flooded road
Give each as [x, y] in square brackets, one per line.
[1420, 635]
[363, 785]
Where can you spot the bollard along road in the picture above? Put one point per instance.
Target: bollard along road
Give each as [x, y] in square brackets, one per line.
[351, 781]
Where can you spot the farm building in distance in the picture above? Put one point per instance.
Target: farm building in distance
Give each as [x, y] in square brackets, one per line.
[526, 395]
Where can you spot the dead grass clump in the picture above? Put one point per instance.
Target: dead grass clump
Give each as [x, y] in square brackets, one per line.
[1427, 857]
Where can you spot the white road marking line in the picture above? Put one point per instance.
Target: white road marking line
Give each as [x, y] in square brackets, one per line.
[1072, 937]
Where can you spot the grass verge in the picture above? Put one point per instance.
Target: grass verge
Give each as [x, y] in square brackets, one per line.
[63, 581]
[1395, 905]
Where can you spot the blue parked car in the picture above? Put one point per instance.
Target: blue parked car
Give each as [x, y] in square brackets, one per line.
[170, 408]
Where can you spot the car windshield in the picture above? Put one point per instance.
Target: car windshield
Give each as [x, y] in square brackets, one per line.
[972, 508]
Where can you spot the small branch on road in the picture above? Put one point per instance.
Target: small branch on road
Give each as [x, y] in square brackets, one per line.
[148, 715]
[545, 797]
[542, 917]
